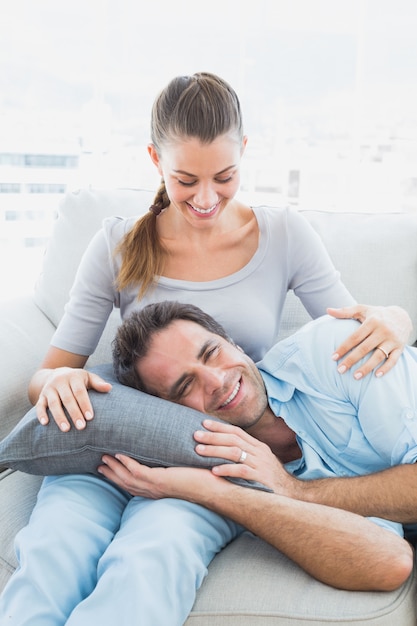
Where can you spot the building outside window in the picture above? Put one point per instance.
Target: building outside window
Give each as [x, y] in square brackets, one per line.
[328, 90]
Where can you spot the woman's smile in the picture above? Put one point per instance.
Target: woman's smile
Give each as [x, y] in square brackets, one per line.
[204, 212]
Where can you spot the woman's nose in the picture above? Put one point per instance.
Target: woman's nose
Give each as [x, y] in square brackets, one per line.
[205, 197]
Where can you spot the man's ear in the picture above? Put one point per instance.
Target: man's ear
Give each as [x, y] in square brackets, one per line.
[239, 348]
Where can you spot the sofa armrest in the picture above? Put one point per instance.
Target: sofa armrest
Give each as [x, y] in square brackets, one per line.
[25, 333]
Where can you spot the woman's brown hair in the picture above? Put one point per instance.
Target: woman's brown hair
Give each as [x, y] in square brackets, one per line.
[202, 106]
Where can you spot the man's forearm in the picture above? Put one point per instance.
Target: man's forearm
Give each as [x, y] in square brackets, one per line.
[339, 548]
[390, 494]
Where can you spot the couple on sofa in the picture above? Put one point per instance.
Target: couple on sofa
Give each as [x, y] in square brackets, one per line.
[91, 551]
[335, 456]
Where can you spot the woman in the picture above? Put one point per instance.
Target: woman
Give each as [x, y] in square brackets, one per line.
[131, 559]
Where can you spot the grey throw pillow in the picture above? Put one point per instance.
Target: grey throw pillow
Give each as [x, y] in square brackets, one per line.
[155, 432]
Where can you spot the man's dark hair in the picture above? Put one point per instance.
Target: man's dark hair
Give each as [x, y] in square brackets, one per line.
[134, 335]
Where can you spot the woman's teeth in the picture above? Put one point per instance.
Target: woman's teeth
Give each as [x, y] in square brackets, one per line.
[203, 211]
[232, 395]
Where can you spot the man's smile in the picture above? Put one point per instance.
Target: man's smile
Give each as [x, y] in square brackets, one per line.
[232, 396]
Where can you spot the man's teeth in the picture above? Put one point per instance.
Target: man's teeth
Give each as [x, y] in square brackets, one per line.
[204, 211]
[232, 395]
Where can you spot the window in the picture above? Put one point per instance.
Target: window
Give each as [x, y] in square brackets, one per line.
[11, 216]
[11, 159]
[50, 160]
[45, 188]
[34, 242]
[9, 187]
[328, 90]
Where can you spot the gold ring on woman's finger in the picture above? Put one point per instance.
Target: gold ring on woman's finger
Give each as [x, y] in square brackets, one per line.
[384, 352]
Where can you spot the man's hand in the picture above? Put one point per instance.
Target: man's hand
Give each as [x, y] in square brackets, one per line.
[389, 494]
[383, 329]
[226, 441]
[155, 482]
[219, 440]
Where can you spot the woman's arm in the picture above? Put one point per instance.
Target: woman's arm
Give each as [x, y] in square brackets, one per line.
[60, 385]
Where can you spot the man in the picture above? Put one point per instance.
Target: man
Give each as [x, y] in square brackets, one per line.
[349, 447]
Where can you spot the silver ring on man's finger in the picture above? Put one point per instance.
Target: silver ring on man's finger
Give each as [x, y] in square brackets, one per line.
[384, 352]
[243, 457]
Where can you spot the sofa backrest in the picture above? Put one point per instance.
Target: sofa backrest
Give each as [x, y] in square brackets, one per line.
[375, 253]
[80, 216]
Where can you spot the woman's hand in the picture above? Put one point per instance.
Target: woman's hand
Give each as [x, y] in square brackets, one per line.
[384, 330]
[64, 393]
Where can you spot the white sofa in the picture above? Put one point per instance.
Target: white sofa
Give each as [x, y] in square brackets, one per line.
[249, 583]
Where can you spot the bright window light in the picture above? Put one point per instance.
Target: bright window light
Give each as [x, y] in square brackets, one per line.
[328, 91]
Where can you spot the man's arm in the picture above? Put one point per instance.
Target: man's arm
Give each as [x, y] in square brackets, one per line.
[390, 494]
[337, 547]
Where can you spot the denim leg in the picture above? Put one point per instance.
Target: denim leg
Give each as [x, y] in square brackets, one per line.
[150, 572]
[72, 524]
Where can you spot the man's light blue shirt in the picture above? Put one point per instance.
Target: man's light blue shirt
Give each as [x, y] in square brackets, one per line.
[344, 427]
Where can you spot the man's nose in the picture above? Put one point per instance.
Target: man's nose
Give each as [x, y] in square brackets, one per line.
[213, 379]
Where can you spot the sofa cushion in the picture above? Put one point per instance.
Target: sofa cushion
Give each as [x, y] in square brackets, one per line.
[17, 496]
[250, 583]
[153, 431]
[24, 334]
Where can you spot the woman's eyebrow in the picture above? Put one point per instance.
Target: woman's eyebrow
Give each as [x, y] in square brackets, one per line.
[230, 167]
